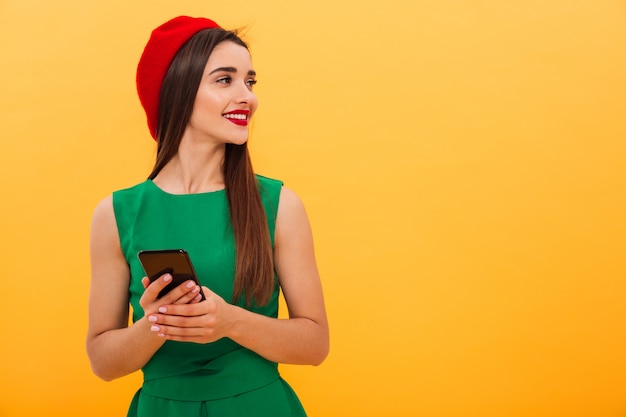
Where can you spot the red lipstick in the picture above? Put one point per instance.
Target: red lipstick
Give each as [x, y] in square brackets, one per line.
[238, 117]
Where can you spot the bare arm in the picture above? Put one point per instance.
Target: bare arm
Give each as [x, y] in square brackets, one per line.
[301, 339]
[114, 348]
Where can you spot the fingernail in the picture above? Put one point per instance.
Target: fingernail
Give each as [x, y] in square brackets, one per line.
[155, 328]
[162, 310]
[161, 334]
[152, 318]
[190, 284]
[167, 277]
[196, 289]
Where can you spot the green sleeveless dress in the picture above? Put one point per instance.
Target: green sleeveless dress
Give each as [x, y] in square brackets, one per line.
[187, 379]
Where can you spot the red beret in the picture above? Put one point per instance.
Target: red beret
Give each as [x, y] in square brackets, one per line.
[157, 56]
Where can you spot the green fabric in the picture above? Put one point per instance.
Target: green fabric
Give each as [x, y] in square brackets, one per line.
[273, 400]
[190, 379]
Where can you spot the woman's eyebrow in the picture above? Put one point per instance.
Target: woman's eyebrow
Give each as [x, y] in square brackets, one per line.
[230, 69]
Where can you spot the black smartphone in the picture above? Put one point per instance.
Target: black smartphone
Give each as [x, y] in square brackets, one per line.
[173, 261]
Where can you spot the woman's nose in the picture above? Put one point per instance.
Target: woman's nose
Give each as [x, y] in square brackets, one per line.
[245, 94]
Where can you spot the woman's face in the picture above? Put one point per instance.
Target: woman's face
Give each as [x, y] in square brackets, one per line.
[224, 102]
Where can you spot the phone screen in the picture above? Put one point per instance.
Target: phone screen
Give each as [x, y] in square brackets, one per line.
[174, 261]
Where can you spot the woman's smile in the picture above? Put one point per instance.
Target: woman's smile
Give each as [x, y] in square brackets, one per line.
[238, 117]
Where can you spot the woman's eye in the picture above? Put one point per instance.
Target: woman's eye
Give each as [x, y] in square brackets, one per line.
[224, 80]
[251, 83]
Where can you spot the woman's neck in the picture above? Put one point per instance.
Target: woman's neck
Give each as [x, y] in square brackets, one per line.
[196, 168]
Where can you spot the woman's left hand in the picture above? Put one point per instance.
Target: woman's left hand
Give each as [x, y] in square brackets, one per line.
[202, 322]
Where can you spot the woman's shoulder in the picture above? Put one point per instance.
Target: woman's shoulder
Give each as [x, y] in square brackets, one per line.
[105, 210]
[268, 182]
[290, 201]
[103, 215]
[131, 196]
[270, 189]
[132, 189]
[282, 193]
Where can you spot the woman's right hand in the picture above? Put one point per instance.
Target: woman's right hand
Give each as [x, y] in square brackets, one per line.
[186, 293]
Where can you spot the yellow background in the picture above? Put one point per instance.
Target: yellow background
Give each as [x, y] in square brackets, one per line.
[462, 162]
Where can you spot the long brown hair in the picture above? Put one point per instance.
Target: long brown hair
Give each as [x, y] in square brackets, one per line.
[254, 267]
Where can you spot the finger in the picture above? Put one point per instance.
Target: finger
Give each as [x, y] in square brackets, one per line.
[180, 292]
[207, 292]
[183, 310]
[189, 296]
[196, 299]
[177, 331]
[153, 289]
[188, 338]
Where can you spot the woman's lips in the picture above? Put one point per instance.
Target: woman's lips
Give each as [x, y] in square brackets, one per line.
[238, 117]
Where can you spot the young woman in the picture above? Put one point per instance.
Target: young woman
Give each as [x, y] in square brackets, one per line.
[247, 236]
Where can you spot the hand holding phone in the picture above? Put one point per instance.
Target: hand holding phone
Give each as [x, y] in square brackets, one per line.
[176, 262]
